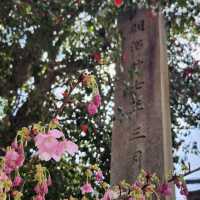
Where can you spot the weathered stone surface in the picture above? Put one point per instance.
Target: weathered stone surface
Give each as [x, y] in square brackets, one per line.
[141, 132]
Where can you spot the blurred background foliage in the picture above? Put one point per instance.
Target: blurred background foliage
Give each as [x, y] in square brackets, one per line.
[46, 44]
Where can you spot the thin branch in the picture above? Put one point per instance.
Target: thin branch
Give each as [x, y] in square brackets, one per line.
[191, 171]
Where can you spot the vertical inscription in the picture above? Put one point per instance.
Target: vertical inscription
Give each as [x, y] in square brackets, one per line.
[137, 136]
[136, 99]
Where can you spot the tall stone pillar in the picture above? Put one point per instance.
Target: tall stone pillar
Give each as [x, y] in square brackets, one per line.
[141, 136]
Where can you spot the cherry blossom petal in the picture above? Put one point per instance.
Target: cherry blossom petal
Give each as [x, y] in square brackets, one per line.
[71, 147]
[56, 133]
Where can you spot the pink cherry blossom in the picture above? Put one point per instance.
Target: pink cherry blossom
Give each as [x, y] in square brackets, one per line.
[91, 108]
[20, 160]
[47, 145]
[41, 188]
[97, 100]
[87, 188]
[99, 176]
[17, 181]
[56, 133]
[65, 146]
[13, 160]
[165, 189]
[39, 197]
[71, 147]
[107, 195]
[3, 176]
[59, 150]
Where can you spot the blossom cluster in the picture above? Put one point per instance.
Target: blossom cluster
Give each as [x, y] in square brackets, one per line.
[146, 186]
[12, 161]
[50, 147]
[90, 83]
[95, 175]
[14, 158]
[43, 182]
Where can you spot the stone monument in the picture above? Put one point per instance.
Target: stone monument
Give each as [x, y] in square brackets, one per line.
[141, 136]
